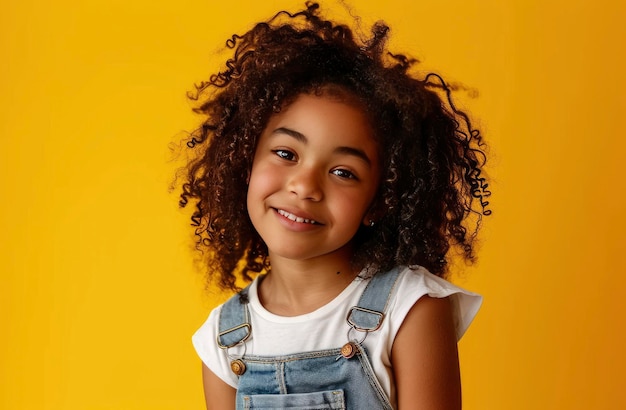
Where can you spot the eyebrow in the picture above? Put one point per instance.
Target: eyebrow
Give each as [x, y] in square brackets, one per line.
[356, 152]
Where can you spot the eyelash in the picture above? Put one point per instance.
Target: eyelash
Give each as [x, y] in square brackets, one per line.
[291, 156]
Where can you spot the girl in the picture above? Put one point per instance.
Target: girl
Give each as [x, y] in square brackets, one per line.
[338, 184]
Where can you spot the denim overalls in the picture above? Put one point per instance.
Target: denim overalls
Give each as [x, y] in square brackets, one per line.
[340, 378]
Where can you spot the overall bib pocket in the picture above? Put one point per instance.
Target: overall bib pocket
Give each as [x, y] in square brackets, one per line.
[332, 399]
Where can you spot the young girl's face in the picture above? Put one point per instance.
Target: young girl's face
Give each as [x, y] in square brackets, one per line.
[314, 176]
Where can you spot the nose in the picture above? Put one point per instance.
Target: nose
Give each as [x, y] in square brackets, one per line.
[305, 184]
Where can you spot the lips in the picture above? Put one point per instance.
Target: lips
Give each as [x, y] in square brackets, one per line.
[296, 218]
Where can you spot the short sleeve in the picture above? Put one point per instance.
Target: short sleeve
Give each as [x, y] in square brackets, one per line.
[416, 283]
[216, 359]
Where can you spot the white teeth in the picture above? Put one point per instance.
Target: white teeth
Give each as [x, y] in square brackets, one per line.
[295, 218]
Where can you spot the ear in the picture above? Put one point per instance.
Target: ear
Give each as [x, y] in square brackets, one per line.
[370, 218]
[373, 215]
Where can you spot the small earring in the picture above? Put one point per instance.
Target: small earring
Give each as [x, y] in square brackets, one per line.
[372, 223]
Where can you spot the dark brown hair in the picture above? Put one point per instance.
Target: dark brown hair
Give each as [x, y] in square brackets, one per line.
[432, 185]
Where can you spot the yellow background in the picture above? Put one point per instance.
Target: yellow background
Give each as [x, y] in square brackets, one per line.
[99, 296]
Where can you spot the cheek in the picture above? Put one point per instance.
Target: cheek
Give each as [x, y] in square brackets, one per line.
[365, 203]
[262, 182]
[352, 208]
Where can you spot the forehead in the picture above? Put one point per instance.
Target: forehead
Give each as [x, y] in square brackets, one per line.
[331, 116]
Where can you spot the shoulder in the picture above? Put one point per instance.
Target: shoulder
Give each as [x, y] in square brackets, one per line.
[205, 342]
[415, 283]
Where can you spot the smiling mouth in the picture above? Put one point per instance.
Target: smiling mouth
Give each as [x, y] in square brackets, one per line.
[295, 218]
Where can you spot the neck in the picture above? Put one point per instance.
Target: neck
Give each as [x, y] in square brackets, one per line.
[295, 288]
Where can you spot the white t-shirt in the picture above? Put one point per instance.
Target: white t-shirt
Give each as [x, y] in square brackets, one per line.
[326, 327]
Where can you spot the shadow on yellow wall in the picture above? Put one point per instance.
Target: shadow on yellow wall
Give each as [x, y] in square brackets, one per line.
[98, 293]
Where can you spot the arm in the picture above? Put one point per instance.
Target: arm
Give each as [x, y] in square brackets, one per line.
[425, 359]
[217, 394]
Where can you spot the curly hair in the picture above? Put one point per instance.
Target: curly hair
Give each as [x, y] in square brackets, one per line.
[432, 194]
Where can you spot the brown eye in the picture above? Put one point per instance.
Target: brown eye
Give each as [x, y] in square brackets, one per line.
[343, 173]
[284, 154]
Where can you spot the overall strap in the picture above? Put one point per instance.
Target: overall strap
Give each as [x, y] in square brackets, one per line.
[234, 321]
[368, 315]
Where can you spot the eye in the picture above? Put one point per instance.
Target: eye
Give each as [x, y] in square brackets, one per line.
[284, 154]
[343, 173]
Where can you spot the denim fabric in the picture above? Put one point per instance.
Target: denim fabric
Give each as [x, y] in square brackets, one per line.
[312, 380]
[309, 401]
